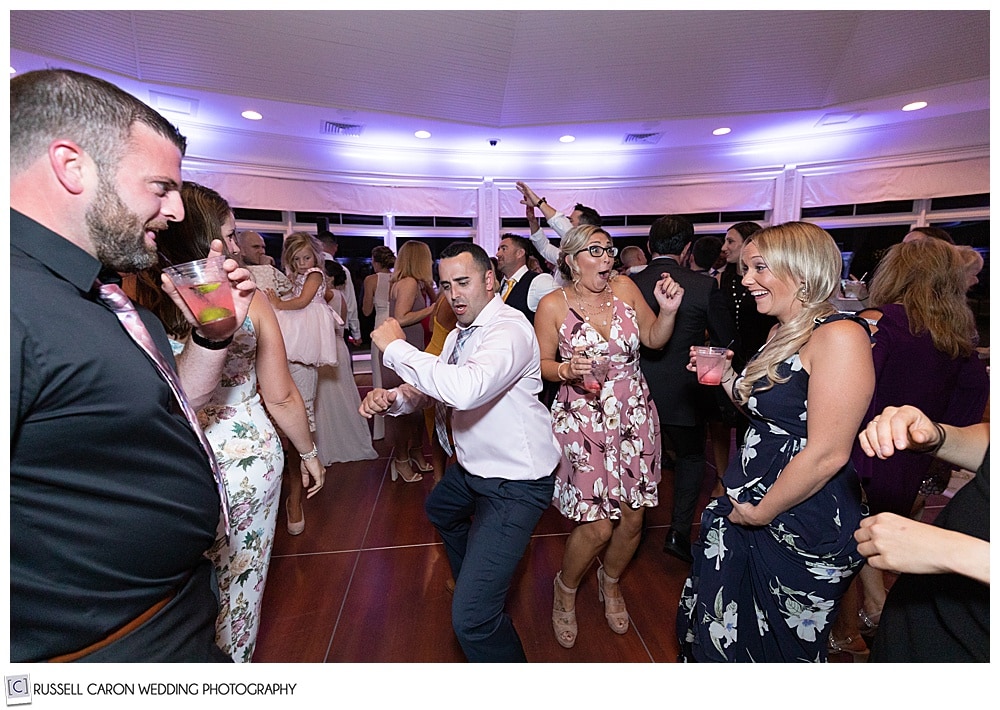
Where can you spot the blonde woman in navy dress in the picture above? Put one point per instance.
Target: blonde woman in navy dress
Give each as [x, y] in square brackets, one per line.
[776, 550]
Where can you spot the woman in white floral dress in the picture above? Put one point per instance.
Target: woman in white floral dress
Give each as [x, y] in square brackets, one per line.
[243, 438]
[609, 433]
[776, 551]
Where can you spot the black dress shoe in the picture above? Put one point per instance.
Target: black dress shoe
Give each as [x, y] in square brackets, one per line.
[678, 546]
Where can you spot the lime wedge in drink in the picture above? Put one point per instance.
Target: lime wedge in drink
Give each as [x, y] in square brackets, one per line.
[206, 288]
[213, 313]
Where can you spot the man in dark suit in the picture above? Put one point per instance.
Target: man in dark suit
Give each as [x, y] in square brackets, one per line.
[675, 390]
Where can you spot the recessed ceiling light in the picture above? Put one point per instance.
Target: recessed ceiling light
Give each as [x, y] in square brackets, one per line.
[423, 134]
[251, 115]
[567, 139]
[721, 131]
[915, 106]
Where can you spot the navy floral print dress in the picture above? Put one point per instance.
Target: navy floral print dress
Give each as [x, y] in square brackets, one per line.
[770, 593]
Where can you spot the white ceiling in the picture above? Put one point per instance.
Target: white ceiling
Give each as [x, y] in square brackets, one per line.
[527, 78]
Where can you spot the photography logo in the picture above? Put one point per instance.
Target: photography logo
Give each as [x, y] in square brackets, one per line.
[18, 689]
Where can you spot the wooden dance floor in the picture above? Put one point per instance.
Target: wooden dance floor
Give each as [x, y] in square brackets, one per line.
[365, 581]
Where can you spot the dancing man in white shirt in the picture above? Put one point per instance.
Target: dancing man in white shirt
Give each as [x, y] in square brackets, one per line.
[489, 374]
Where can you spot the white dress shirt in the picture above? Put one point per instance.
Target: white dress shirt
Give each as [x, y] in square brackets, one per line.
[549, 251]
[540, 286]
[353, 323]
[501, 429]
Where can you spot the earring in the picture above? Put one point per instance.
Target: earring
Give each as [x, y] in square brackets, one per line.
[803, 294]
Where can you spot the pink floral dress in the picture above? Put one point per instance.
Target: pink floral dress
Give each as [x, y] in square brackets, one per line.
[610, 440]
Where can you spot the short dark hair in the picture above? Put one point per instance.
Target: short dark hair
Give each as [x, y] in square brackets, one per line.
[99, 116]
[705, 251]
[670, 234]
[520, 242]
[479, 254]
[326, 236]
[588, 215]
[934, 233]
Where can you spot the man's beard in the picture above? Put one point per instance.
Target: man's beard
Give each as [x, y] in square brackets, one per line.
[118, 234]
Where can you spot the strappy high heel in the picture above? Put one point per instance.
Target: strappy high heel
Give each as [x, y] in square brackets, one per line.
[563, 620]
[614, 607]
[853, 645]
[419, 464]
[869, 624]
[398, 473]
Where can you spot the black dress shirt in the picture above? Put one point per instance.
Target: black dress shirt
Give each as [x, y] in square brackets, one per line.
[112, 500]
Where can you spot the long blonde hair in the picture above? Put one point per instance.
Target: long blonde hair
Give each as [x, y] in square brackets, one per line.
[301, 241]
[414, 261]
[806, 255]
[928, 277]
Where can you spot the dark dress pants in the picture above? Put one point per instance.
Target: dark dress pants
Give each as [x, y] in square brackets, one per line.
[688, 443]
[486, 525]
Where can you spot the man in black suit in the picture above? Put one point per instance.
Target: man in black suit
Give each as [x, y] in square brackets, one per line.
[676, 390]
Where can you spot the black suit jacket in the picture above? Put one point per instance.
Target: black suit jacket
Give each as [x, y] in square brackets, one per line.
[676, 390]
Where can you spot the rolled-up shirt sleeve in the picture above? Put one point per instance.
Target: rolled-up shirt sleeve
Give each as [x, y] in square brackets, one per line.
[496, 361]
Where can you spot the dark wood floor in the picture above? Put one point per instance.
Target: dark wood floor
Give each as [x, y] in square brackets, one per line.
[365, 582]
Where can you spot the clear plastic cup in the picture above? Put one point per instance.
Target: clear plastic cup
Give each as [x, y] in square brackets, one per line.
[853, 290]
[711, 364]
[593, 380]
[204, 286]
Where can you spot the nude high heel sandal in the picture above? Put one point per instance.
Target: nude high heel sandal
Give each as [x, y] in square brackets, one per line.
[417, 462]
[398, 472]
[294, 528]
[614, 607]
[563, 620]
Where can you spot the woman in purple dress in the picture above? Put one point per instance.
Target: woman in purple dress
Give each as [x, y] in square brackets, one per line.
[924, 356]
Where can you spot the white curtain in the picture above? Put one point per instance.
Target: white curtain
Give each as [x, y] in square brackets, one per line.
[908, 182]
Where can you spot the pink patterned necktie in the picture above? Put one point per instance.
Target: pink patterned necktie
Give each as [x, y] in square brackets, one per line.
[440, 408]
[114, 298]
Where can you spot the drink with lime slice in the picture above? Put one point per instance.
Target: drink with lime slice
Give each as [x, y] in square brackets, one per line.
[203, 285]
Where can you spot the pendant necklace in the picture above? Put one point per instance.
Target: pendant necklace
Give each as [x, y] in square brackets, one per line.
[602, 308]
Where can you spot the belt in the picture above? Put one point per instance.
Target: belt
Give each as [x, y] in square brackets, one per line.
[120, 633]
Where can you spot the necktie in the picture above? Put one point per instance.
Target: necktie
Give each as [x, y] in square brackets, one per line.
[508, 288]
[114, 298]
[441, 409]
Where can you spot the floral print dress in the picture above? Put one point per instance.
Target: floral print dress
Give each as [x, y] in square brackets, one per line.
[770, 593]
[249, 452]
[610, 440]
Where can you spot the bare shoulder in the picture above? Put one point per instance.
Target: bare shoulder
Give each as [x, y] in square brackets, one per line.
[552, 305]
[844, 340]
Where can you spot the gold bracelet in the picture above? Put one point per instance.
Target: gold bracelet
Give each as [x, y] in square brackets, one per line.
[559, 372]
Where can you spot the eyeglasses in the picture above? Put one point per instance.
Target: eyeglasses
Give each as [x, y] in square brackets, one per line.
[596, 250]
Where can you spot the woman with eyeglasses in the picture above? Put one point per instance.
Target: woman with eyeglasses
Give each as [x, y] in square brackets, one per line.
[589, 333]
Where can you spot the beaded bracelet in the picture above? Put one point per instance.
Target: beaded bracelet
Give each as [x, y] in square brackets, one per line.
[310, 455]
